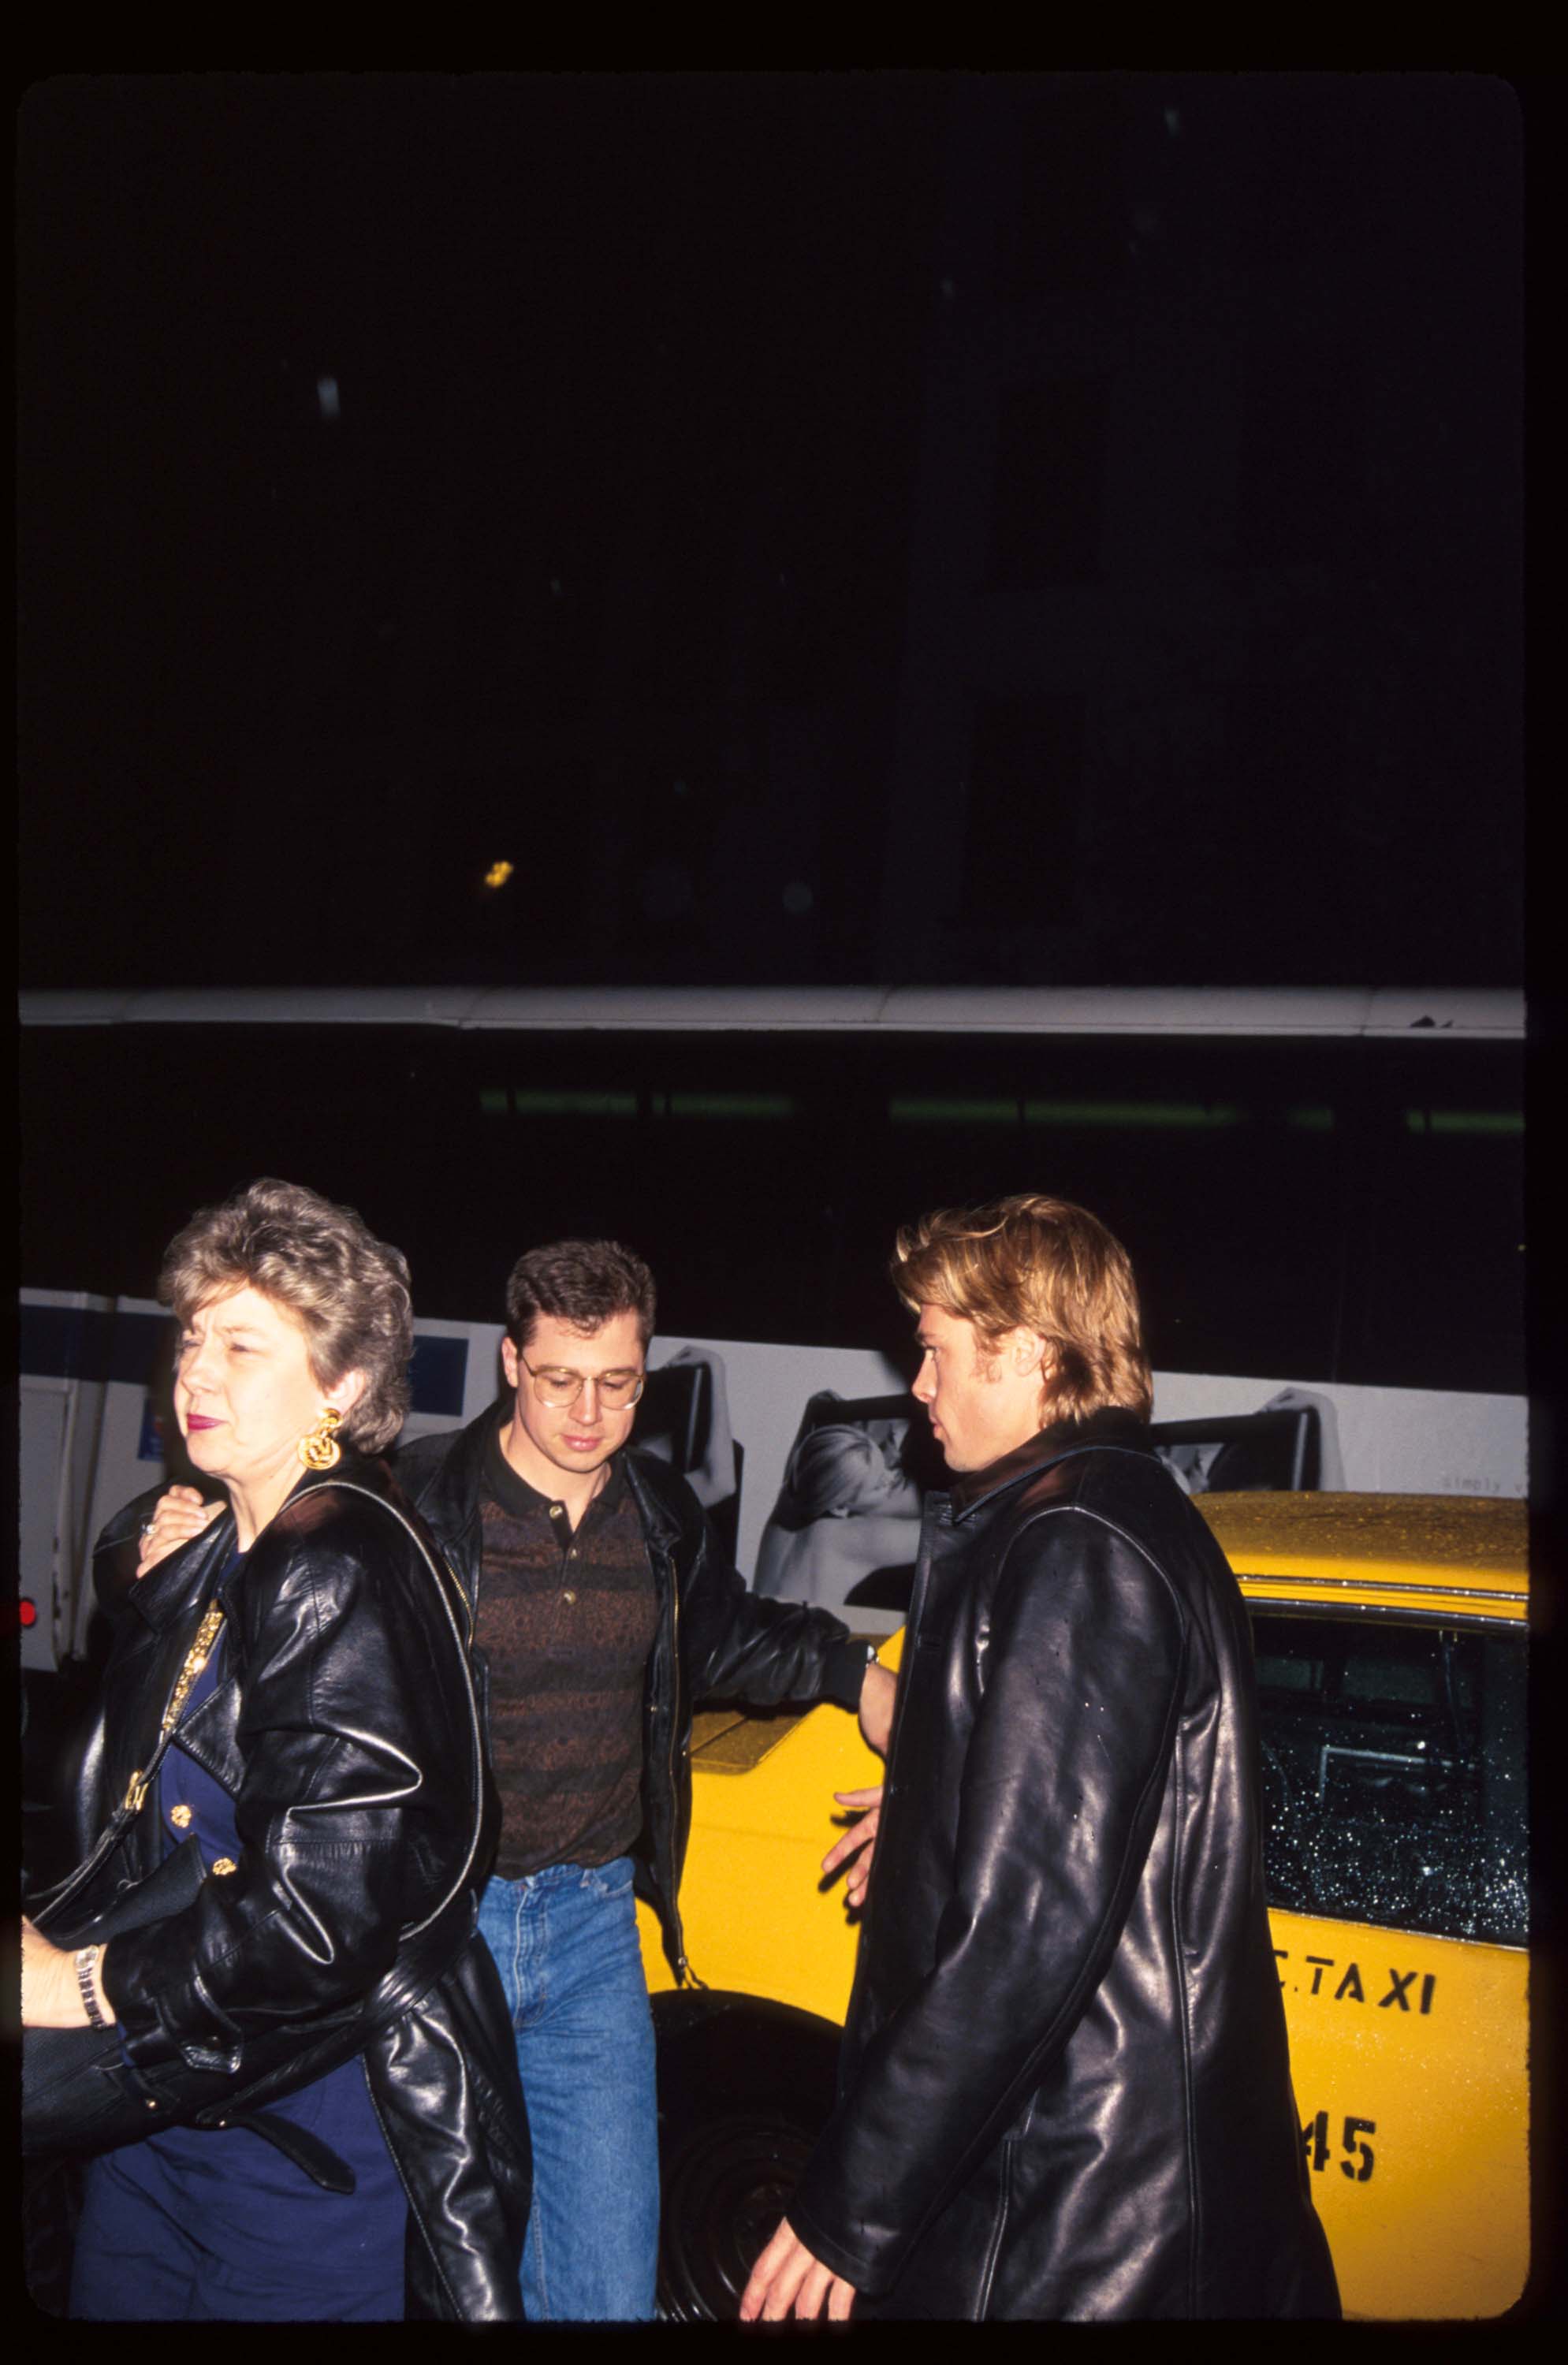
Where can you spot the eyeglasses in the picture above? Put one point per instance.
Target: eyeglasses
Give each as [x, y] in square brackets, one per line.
[614, 1389]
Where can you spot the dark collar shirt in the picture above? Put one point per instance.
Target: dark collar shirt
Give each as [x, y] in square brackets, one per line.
[567, 1620]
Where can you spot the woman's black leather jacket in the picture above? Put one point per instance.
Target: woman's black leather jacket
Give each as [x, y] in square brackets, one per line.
[1066, 2088]
[345, 1729]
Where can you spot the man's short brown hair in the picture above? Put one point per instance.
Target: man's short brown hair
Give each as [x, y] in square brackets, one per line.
[1039, 1264]
[584, 1282]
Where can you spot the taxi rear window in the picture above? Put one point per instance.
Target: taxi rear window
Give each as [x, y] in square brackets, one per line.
[1393, 1773]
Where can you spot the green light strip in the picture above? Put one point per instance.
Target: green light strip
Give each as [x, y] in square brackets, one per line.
[1494, 1121]
[1311, 1120]
[731, 1105]
[532, 1104]
[924, 1112]
[1122, 1114]
[1131, 1114]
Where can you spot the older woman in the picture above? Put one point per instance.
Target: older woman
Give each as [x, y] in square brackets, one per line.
[318, 2037]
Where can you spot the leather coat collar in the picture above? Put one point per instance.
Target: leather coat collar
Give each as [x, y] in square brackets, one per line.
[450, 1502]
[1111, 1426]
[167, 1591]
[659, 1522]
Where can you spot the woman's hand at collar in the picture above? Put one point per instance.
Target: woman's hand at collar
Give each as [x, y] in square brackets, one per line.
[178, 1516]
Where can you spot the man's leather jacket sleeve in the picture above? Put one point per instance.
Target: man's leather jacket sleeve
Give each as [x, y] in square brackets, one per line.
[739, 1647]
[352, 1803]
[1059, 1795]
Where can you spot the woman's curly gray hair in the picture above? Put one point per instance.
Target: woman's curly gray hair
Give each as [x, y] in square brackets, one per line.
[321, 1263]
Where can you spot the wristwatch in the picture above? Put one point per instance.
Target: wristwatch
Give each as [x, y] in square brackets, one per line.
[86, 1961]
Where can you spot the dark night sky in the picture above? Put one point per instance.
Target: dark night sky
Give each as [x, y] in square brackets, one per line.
[418, 471]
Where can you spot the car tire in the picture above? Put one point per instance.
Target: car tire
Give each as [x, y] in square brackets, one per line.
[744, 2088]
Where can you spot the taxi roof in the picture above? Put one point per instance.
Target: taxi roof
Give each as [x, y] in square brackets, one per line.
[1464, 1549]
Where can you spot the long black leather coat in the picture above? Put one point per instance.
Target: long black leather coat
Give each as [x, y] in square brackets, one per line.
[345, 1729]
[1066, 2088]
[714, 1639]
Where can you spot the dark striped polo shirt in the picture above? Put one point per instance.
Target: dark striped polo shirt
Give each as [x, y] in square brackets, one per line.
[566, 1621]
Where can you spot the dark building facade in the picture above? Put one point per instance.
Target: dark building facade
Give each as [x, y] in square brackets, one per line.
[951, 528]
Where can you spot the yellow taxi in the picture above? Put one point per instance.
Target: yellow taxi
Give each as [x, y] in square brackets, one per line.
[1389, 1632]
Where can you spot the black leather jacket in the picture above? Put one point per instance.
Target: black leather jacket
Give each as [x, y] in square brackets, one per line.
[714, 1639]
[1066, 2088]
[345, 1729]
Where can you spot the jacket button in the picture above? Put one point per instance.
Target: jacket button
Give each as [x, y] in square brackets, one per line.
[181, 1818]
[225, 1864]
[568, 1594]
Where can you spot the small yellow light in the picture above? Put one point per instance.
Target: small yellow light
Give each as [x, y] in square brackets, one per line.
[497, 874]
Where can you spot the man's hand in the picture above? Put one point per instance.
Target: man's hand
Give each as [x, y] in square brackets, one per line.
[877, 1706]
[859, 1840]
[180, 1515]
[788, 2275]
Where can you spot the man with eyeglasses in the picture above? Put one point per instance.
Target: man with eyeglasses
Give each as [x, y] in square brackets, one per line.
[604, 1608]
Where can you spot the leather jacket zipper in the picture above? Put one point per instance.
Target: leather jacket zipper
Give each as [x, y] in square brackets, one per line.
[666, 1876]
[683, 1970]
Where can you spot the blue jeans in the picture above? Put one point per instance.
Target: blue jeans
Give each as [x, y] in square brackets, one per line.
[564, 1941]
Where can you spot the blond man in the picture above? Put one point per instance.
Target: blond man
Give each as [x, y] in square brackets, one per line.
[1066, 2088]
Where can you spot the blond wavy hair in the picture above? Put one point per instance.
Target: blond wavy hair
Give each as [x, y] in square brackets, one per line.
[1040, 1264]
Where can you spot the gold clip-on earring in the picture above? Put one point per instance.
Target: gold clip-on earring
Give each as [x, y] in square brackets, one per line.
[319, 1450]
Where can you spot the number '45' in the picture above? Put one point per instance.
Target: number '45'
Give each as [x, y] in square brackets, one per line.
[1315, 2143]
